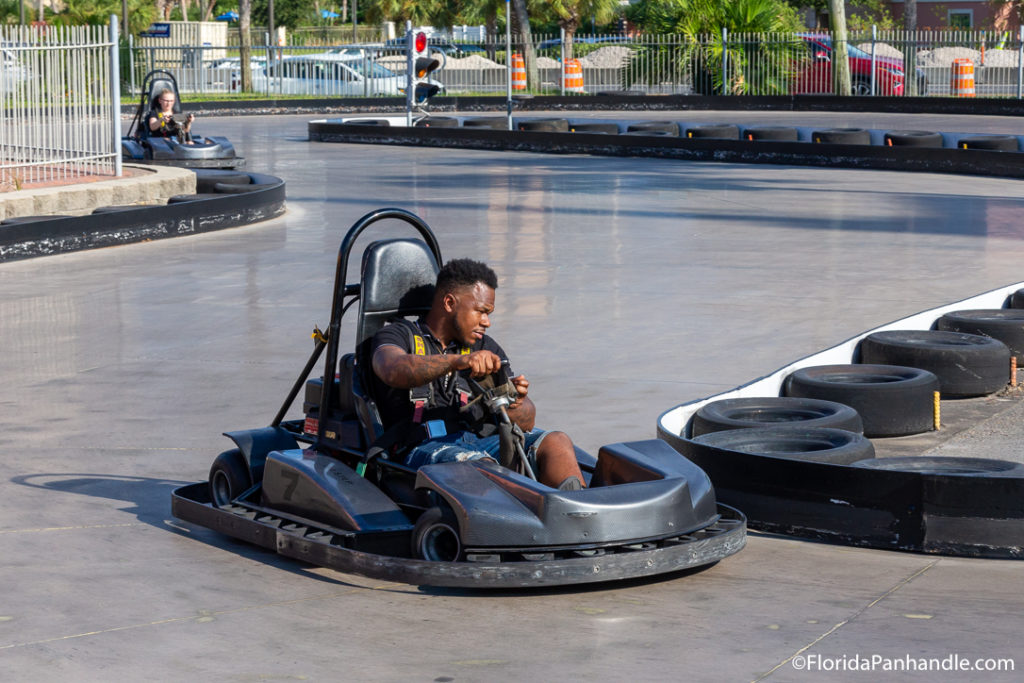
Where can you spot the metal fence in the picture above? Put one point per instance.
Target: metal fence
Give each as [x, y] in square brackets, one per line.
[888, 64]
[57, 99]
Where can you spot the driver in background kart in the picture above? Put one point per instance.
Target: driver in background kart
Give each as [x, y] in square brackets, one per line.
[416, 381]
[161, 123]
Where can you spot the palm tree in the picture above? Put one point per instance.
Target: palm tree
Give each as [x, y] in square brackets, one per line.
[570, 14]
[744, 64]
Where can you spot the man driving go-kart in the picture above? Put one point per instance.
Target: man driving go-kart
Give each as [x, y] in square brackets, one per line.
[423, 372]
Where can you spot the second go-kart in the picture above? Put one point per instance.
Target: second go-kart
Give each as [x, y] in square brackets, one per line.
[139, 147]
[320, 490]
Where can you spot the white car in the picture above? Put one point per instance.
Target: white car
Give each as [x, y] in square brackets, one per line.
[328, 74]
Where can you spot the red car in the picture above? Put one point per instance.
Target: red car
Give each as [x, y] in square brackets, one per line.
[814, 76]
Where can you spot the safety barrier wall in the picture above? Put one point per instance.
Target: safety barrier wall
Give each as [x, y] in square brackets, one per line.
[880, 63]
[56, 119]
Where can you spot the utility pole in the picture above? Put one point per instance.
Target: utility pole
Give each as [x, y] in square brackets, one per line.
[840, 64]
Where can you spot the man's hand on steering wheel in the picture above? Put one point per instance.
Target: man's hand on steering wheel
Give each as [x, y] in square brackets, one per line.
[480, 363]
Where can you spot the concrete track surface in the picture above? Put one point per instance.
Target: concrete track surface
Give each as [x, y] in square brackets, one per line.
[627, 287]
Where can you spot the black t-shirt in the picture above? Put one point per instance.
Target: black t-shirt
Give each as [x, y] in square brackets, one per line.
[170, 128]
[395, 405]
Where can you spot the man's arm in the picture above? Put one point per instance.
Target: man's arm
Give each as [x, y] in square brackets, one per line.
[402, 370]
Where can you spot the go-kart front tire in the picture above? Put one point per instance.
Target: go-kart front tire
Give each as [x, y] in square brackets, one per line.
[229, 477]
[435, 536]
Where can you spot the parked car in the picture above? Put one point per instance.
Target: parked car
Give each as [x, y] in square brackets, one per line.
[814, 75]
[327, 74]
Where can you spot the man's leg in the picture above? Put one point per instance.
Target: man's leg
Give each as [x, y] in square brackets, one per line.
[556, 460]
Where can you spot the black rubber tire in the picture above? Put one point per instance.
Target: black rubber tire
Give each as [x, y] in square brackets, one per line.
[966, 364]
[438, 122]
[820, 444]
[543, 125]
[20, 220]
[1017, 299]
[713, 131]
[998, 143]
[370, 122]
[891, 400]
[652, 133]
[493, 122]
[436, 536]
[122, 208]
[842, 136]
[774, 411]
[860, 87]
[221, 188]
[606, 128]
[670, 127]
[229, 477]
[772, 133]
[912, 138]
[182, 198]
[206, 178]
[931, 464]
[1004, 324]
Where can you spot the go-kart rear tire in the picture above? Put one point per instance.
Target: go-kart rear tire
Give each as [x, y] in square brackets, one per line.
[774, 411]
[229, 477]
[891, 400]
[816, 444]
[966, 364]
[435, 537]
[1017, 299]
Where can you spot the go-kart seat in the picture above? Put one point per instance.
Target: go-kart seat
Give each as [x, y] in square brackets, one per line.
[155, 87]
[397, 281]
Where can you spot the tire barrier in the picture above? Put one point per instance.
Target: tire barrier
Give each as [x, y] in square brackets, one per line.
[912, 138]
[438, 122]
[962, 81]
[842, 136]
[371, 122]
[996, 143]
[712, 131]
[965, 364]
[931, 464]
[601, 128]
[670, 127]
[774, 411]
[1017, 299]
[224, 199]
[206, 178]
[492, 122]
[573, 77]
[772, 133]
[518, 72]
[544, 125]
[891, 400]
[1004, 324]
[817, 444]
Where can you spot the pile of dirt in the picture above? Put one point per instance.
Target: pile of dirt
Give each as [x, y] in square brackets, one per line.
[608, 57]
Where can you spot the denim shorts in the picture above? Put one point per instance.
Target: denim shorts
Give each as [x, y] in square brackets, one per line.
[464, 446]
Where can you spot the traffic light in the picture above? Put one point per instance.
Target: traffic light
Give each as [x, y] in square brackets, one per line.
[421, 66]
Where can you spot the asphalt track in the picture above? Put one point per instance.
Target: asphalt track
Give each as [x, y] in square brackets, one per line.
[627, 286]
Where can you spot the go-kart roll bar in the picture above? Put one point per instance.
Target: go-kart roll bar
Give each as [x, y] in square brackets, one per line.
[342, 290]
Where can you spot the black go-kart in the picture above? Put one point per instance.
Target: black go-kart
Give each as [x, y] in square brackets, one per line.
[320, 490]
[139, 147]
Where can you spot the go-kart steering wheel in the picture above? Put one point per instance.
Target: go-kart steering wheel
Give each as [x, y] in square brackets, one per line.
[497, 391]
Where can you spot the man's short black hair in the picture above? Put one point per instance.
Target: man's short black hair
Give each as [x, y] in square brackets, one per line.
[464, 272]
